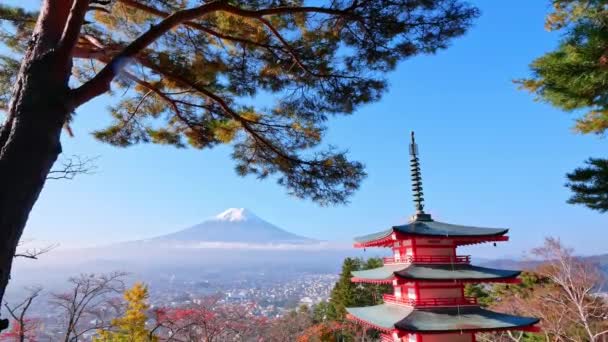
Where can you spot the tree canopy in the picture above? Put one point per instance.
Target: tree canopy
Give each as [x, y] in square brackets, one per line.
[590, 185]
[573, 77]
[190, 73]
[132, 325]
[348, 294]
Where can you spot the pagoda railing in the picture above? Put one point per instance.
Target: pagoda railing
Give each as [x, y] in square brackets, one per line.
[430, 301]
[430, 259]
[386, 338]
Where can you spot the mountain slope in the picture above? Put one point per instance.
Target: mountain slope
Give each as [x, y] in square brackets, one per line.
[235, 225]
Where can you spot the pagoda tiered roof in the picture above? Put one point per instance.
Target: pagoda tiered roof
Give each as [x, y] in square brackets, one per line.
[430, 228]
[428, 278]
[388, 317]
[434, 272]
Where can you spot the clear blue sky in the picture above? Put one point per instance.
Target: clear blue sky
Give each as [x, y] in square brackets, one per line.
[490, 156]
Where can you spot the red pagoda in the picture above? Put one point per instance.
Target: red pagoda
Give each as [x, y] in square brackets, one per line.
[428, 276]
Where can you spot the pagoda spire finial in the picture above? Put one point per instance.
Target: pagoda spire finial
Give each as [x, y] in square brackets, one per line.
[417, 182]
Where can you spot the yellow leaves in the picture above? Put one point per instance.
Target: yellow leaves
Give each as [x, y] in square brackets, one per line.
[171, 84]
[595, 121]
[309, 131]
[155, 107]
[121, 13]
[197, 138]
[554, 21]
[106, 19]
[328, 163]
[248, 28]
[132, 14]
[271, 70]
[135, 316]
[165, 136]
[206, 70]
[132, 325]
[140, 88]
[527, 84]
[300, 19]
[225, 131]
[250, 115]
[566, 12]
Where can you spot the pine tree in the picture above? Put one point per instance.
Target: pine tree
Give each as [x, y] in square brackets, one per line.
[574, 77]
[132, 325]
[590, 185]
[348, 294]
[186, 72]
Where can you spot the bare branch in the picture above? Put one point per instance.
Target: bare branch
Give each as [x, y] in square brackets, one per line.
[18, 313]
[87, 298]
[34, 253]
[74, 166]
[577, 280]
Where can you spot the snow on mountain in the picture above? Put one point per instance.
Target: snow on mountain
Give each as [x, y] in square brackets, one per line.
[235, 225]
[236, 215]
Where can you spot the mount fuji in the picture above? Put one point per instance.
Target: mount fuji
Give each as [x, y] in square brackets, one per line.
[235, 241]
[235, 225]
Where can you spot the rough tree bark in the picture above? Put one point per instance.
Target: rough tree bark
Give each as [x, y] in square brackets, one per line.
[30, 135]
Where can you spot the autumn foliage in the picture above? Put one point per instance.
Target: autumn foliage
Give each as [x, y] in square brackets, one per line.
[21, 333]
[209, 320]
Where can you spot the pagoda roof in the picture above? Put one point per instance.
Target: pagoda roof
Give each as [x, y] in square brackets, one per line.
[388, 317]
[430, 228]
[434, 272]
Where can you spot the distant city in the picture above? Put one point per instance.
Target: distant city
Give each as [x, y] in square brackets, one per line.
[235, 257]
[268, 295]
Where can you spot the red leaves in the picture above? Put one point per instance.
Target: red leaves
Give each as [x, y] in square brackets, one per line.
[28, 331]
[208, 319]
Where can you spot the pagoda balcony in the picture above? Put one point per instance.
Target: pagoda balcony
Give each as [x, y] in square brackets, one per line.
[429, 259]
[388, 298]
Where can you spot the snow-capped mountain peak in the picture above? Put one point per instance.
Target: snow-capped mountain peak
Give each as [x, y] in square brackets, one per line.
[235, 225]
[236, 215]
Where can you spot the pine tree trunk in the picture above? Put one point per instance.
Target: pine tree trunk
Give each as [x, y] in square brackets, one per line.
[30, 135]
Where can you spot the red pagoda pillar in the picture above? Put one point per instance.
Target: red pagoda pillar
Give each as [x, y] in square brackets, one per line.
[428, 277]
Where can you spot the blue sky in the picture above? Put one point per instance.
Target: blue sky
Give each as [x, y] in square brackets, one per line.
[490, 156]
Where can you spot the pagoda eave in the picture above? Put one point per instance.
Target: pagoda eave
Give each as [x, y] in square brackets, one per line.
[402, 280]
[530, 328]
[439, 273]
[369, 324]
[389, 240]
[372, 281]
[411, 320]
[463, 281]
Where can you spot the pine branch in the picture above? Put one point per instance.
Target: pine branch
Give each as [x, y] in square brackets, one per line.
[101, 82]
[194, 25]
